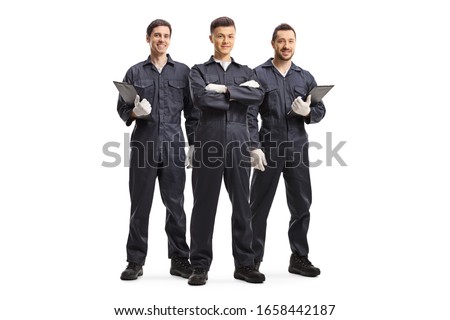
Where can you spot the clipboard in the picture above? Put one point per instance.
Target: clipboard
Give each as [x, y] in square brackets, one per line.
[127, 92]
[317, 94]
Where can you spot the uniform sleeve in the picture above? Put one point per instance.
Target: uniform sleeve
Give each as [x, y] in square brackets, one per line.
[203, 99]
[191, 115]
[123, 109]
[317, 108]
[252, 123]
[247, 95]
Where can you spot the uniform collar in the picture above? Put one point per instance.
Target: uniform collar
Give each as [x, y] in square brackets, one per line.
[211, 60]
[269, 64]
[169, 60]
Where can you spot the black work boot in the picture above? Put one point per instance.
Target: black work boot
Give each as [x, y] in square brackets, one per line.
[257, 265]
[180, 267]
[132, 272]
[302, 266]
[249, 274]
[198, 277]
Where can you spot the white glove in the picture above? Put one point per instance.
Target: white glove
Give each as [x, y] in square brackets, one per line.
[258, 159]
[190, 153]
[301, 107]
[250, 83]
[219, 88]
[142, 108]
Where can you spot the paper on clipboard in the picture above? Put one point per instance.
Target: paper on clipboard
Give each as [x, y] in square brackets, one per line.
[318, 92]
[126, 91]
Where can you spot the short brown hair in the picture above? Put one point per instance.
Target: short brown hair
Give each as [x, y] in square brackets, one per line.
[221, 22]
[283, 26]
[158, 23]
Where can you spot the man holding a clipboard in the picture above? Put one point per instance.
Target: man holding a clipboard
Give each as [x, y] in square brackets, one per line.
[282, 145]
[157, 148]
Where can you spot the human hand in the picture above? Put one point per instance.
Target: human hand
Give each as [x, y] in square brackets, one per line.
[219, 88]
[141, 108]
[301, 107]
[258, 159]
[250, 83]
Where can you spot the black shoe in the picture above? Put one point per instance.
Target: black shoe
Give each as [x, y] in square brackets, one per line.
[249, 274]
[180, 267]
[132, 272]
[257, 264]
[302, 266]
[198, 277]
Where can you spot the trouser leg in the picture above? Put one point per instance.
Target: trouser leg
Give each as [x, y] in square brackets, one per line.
[206, 184]
[298, 194]
[263, 188]
[141, 185]
[172, 180]
[236, 178]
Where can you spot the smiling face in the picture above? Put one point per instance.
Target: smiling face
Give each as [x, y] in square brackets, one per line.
[284, 45]
[159, 40]
[223, 40]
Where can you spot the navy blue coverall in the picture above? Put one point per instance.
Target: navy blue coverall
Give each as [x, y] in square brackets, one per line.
[157, 151]
[284, 141]
[221, 151]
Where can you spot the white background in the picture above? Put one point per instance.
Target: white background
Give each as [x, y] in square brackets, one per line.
[379, 227]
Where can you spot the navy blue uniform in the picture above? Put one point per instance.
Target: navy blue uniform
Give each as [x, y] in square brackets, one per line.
[157, 151]
[284, 141]
[221, 152]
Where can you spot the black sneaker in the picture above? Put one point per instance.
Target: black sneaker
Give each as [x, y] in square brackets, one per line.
[180, 267]
[198, 277]
[249, 274]
[132, 272]
[302, 266]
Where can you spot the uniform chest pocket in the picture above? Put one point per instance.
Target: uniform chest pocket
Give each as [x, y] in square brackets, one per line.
[272, 96]
[211, 78]
[239, 80]
[177, 84]
[145, 89]
[300, 92]
[176, 90]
